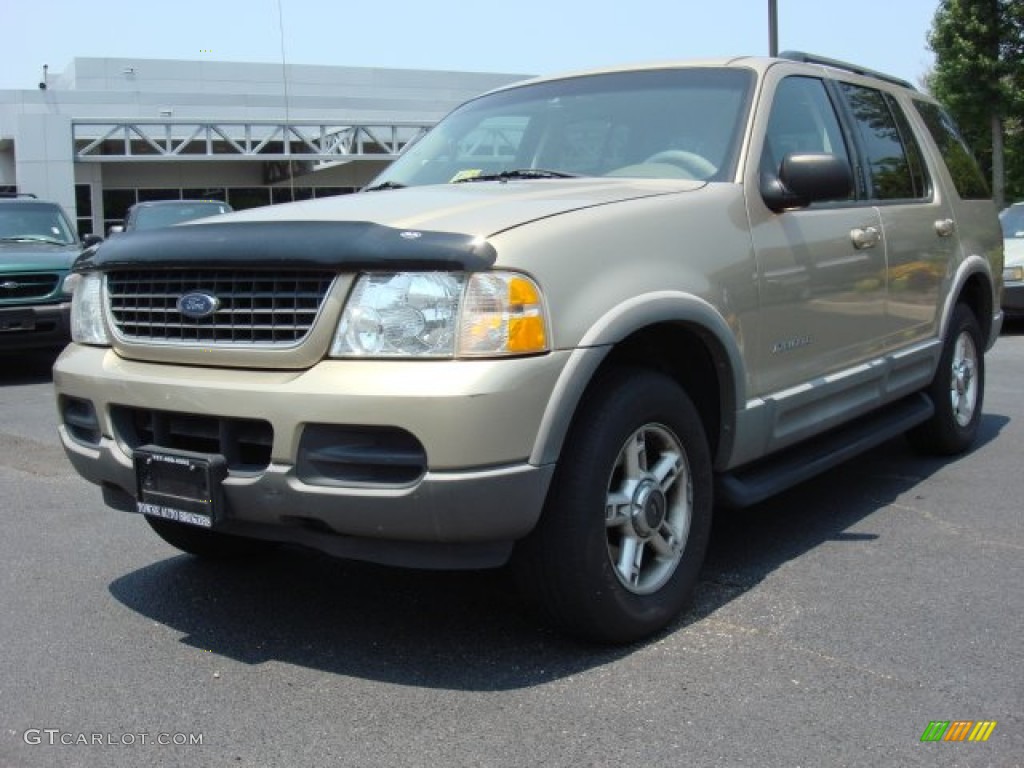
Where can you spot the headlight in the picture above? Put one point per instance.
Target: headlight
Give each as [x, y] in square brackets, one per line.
[1013, 274]
[442, 315]
[87, 309]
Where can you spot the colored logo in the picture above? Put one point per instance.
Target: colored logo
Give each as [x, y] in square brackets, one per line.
[958, 730]
[197, 305]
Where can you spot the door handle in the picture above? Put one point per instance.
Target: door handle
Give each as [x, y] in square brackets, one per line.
[864, 237]
[944, 227]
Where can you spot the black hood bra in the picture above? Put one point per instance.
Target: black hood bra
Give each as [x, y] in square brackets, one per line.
[354, 245]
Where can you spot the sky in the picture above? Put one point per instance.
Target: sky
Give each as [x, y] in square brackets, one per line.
[507, 36]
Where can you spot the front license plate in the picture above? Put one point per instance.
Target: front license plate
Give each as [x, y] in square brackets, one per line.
[180, 485]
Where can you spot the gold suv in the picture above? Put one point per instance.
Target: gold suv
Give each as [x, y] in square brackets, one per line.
[560, 328]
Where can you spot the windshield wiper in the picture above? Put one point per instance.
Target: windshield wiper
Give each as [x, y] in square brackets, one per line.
[385, 185]
[519, 173]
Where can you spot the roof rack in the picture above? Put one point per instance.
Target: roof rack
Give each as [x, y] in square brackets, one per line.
[17, 194]
[810, 58]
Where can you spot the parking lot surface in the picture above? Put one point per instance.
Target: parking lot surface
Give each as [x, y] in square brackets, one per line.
[832, 626]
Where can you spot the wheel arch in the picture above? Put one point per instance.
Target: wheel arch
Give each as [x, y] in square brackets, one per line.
[973, 285]
[678, 334]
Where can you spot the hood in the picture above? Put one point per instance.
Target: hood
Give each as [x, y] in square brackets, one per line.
[441, 227]
[480, 208]
[36, 257]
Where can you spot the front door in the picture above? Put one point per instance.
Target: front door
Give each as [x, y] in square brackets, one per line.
[821, 270]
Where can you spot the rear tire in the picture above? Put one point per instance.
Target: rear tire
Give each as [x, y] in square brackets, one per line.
[957, 392]
[616, 554]
[200, 542]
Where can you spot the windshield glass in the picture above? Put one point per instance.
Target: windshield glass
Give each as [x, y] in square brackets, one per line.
[666, 123]
[34, 222]
[1012, 220]
[165, 215]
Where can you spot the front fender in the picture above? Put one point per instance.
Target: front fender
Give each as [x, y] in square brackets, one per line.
[621, 322]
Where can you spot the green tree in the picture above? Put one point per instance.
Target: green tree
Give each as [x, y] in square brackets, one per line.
[979, 76]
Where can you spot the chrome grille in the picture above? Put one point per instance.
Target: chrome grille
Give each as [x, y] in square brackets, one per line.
[257, 308]
[28, 286]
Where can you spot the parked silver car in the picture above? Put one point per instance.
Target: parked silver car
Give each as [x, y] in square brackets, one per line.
[1012, 221]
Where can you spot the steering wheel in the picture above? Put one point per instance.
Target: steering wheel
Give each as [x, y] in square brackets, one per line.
[693, 164]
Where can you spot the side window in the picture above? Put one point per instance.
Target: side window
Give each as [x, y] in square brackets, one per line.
[894, 171]
[915, 159]
[802, 120]
[967, 177]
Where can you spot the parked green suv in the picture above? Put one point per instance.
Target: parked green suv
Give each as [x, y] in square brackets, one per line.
[37, 247]
[564, 326]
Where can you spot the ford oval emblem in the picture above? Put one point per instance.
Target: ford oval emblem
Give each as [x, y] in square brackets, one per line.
[197, 305]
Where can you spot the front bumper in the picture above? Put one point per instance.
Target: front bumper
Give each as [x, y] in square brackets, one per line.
[35, 327]
[476, 421]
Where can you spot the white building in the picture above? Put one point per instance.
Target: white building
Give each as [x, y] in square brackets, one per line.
[107, 133]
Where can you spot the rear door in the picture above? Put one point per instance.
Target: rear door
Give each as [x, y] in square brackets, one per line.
[918, 227]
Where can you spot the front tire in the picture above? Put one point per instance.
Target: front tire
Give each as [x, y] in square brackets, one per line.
[957, 392]
[625, 527]
[200, 542]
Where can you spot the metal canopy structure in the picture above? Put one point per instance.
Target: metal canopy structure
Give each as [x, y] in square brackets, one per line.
[159, 140]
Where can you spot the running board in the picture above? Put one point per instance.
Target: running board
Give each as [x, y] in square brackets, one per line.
[756, 482]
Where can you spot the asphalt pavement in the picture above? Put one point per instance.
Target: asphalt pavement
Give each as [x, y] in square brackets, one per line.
[831, 626]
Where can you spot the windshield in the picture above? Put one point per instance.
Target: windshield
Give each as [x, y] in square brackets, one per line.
[155, 216]
[666, 123]
[35, 222]
[1012, 220]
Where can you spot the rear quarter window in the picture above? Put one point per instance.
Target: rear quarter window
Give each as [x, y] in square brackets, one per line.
[967, 176]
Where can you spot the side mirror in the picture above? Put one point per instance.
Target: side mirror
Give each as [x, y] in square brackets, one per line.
[806, 178]
[90, 240]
